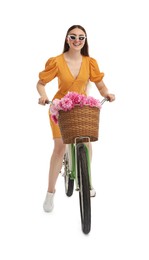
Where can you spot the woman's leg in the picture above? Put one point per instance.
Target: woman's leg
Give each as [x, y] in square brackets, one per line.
[55, 167]
[92, 191]
[56, 163]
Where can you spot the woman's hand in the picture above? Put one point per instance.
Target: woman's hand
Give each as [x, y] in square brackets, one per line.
[43, 96]
[43, 100]
[110, 97]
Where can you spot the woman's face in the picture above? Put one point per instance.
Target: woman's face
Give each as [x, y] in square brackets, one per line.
[76, 39]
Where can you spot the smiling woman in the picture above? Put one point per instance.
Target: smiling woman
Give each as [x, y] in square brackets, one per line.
[73, 68]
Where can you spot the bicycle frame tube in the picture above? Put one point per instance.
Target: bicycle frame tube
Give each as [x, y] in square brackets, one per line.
[73, 161]
[71, 155]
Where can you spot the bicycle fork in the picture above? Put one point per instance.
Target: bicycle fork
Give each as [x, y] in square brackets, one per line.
[76, 162]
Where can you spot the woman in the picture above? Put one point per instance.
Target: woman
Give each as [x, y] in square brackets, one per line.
[73, 68]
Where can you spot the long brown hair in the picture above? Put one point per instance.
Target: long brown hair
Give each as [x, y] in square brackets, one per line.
[85, 49]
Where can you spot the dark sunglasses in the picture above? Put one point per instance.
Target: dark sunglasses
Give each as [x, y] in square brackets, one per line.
[74, 37]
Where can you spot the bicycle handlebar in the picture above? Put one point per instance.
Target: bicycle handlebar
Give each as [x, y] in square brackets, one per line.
[102, 101]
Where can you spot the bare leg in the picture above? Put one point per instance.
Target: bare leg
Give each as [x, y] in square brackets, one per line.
[56, 163]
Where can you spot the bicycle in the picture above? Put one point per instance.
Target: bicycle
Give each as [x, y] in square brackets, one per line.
[77, 169]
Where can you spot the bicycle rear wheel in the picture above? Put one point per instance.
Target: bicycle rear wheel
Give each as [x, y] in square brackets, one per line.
[84, 188]
[68, 179]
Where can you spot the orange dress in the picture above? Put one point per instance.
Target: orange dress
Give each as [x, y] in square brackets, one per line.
[57, 67]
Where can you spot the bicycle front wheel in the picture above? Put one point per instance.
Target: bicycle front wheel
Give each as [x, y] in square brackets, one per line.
[84, 188]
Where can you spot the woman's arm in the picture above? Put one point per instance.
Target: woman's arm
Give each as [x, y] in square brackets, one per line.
[104, 91]
[41, 90]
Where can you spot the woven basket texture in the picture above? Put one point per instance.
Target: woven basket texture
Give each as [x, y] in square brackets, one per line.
[80, 121]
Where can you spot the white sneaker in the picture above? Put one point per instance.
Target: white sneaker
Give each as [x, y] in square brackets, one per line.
[92, 192]
[48, 204]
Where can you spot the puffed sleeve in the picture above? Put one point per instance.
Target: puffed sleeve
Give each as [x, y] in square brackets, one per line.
[50, 71]
[95, 74]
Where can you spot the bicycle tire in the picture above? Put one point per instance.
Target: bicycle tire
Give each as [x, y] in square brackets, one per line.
[84, 188]
[68, 181]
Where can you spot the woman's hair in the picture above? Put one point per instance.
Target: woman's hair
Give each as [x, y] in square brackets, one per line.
[84, 50]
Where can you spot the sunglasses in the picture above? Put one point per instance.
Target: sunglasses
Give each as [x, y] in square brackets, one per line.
[74, 37]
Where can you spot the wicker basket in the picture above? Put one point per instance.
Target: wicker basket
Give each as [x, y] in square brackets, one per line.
[80, 121]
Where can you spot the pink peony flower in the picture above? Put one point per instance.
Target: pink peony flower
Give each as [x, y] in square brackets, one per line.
[55, 107]
[92, 102]
[66, 104]
[54, 118]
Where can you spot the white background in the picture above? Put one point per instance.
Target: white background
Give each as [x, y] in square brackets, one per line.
[31, 32]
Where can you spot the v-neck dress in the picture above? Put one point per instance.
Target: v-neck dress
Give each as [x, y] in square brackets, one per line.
[57, 67]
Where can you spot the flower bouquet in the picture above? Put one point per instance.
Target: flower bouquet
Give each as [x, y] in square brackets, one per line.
[77, 115]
